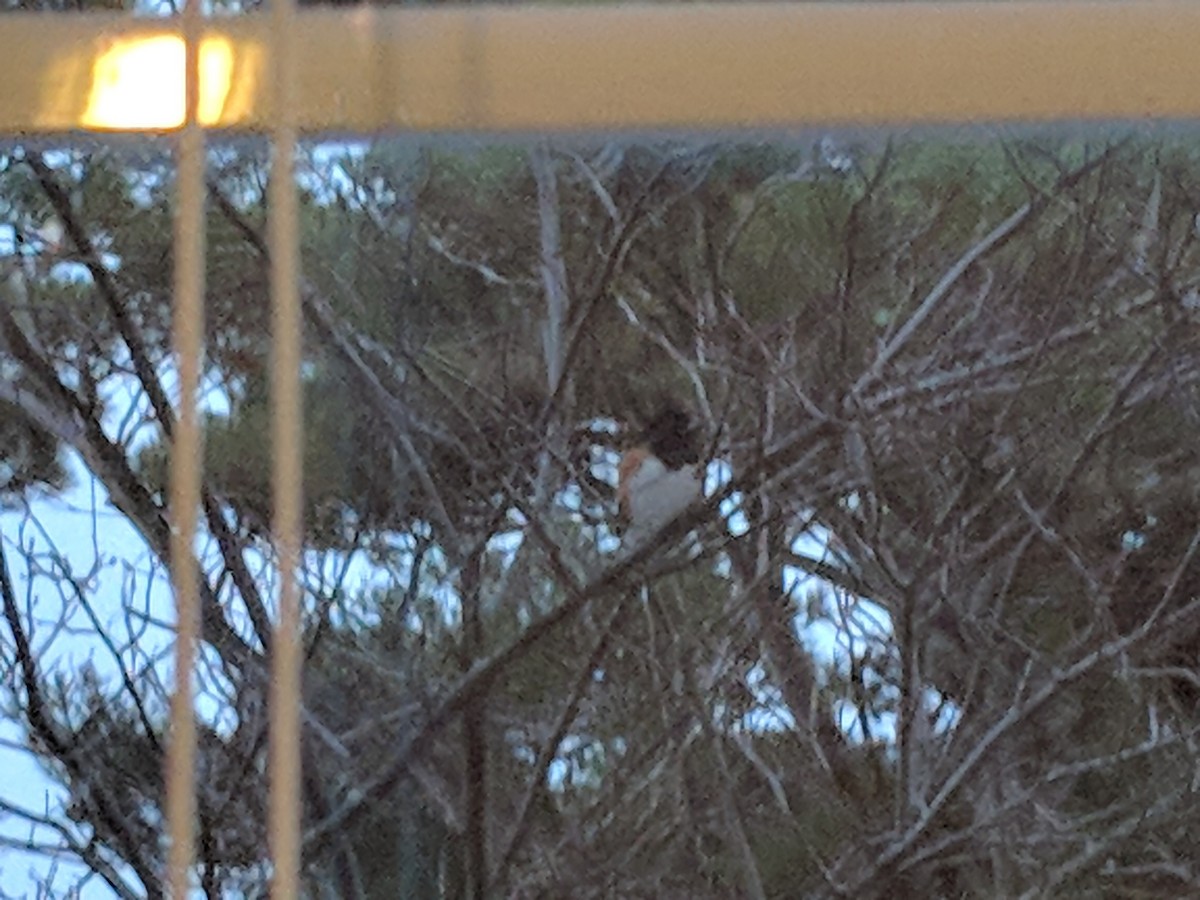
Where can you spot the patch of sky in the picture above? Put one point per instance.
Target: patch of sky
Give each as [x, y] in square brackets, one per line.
[77, 534]
[771, 713]
[581, 762]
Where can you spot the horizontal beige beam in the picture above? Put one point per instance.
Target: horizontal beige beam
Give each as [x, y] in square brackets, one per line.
[602, 68]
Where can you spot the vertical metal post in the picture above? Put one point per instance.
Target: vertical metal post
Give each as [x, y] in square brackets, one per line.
[187, 328]
[287, 439]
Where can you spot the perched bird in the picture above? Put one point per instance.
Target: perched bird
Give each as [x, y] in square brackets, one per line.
[660, 476]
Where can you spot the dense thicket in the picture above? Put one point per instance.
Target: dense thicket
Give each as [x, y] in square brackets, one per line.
[934, 634]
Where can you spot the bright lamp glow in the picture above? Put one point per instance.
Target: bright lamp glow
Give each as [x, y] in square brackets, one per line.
[138, 83]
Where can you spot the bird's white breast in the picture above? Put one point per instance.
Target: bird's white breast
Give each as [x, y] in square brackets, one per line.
[658, 494]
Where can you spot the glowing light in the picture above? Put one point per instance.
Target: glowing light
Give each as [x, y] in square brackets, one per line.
[138, 84]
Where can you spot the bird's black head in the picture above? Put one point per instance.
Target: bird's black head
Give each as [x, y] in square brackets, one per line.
[671, 437]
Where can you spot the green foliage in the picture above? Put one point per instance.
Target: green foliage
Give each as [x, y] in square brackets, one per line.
[31, 459]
